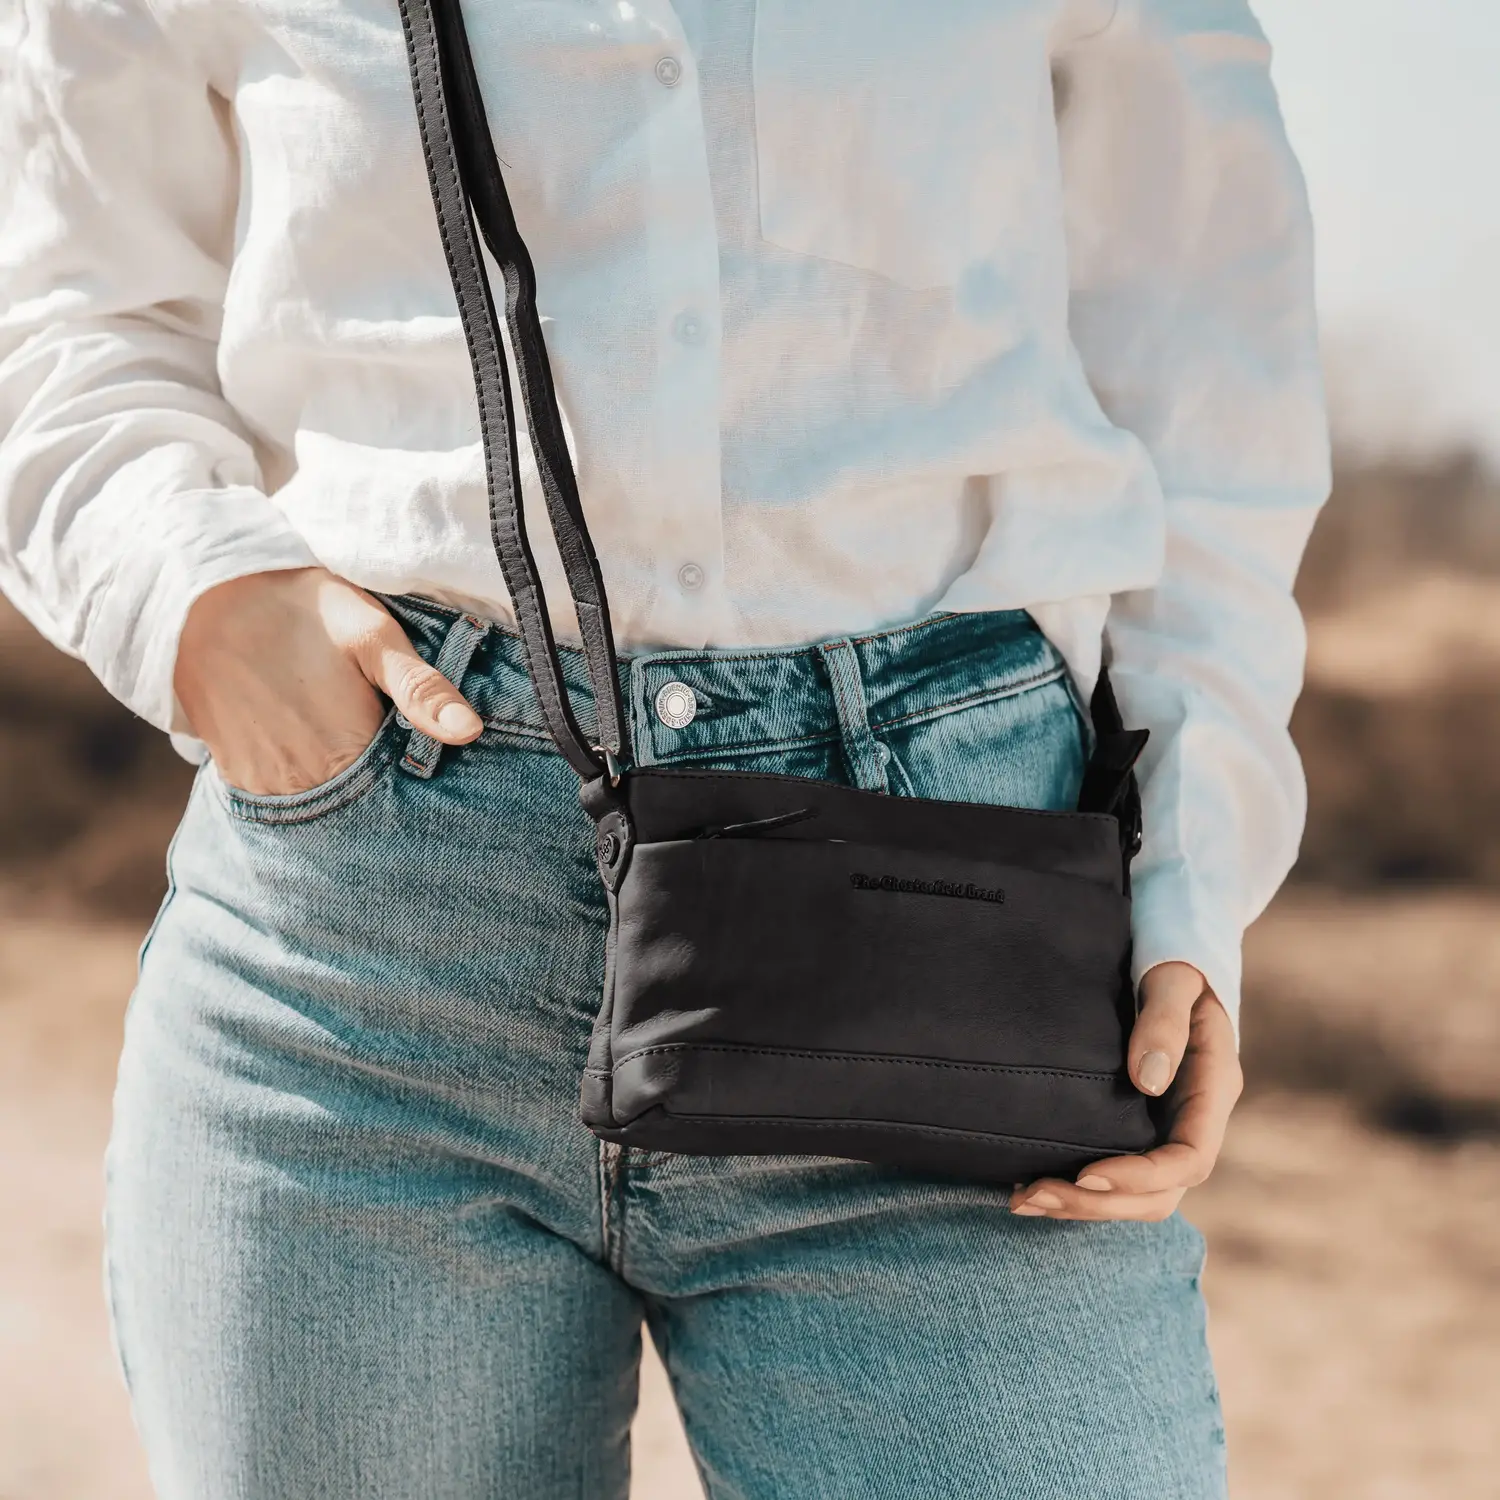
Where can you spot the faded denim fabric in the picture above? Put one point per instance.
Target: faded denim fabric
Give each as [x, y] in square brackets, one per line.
[360, 1246]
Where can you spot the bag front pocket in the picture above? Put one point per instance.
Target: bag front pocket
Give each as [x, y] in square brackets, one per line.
[902, 138]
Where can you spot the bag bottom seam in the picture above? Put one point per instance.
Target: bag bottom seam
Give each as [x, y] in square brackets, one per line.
[942, 1132]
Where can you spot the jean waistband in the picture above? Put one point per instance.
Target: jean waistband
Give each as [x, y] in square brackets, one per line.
[740, 698]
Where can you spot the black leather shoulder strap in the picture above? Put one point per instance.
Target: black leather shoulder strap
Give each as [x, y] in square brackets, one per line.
[464, 175]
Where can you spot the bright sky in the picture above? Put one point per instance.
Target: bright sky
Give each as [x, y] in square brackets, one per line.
[1394, 106]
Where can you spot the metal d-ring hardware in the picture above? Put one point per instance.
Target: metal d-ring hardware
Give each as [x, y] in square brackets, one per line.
[611, 765]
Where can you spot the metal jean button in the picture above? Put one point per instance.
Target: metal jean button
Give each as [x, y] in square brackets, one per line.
[676, 705]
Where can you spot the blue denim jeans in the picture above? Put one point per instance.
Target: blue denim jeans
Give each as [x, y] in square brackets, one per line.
[360, 1246]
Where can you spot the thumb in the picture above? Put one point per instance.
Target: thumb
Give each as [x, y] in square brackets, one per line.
[420, 692]
[1169, 992]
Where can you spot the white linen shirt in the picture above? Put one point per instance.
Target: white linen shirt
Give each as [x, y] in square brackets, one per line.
[858, 309]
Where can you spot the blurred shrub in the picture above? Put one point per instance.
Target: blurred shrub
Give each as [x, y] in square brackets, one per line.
[88, 792]
[1385, 522]
[1399, 725]
[1401, 788]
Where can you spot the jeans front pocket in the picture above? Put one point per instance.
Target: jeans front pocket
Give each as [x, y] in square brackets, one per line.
[1019, 747]
[347, 786]
[904, 138]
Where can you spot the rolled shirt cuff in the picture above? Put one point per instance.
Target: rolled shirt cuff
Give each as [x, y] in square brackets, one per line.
[206, 537]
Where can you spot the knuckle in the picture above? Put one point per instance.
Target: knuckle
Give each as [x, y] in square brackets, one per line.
[417, 685]
[1164, 1027]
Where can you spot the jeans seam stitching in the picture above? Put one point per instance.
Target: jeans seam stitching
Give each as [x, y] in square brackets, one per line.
[973, 700]
[825, 737]
[908, 629]
[372, 764]
[518, 727]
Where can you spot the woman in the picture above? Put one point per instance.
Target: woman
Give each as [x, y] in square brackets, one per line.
[915, 357]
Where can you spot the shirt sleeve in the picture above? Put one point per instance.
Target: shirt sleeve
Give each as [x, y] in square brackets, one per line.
[127, 485]
[1190, 261]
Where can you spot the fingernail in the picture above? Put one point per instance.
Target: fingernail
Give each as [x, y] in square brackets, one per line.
[1045, 1200]
[456, 718]
[1028, 1211]
[1154, 1073]
[1096, 1184]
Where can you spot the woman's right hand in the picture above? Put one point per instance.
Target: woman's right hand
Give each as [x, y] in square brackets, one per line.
[280, 675]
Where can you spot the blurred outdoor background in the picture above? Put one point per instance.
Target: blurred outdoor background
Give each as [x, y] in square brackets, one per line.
[1354, 1223]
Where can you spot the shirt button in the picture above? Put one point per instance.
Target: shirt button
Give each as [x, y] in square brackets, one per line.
[668, 71]
[676, 705]
[690, 576]
[688, 327]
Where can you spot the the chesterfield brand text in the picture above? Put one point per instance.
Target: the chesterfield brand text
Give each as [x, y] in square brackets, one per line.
[963, 890]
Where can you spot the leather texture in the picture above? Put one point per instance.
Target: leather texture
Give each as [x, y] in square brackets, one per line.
[795, 966]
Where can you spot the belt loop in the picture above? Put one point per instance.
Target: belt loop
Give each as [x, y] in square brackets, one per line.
[640, 721]
[866, 756]
[457, 651]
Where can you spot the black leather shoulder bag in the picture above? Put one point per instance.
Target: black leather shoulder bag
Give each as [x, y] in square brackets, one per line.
[795, 966]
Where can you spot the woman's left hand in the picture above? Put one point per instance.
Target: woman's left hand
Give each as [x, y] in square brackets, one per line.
[1183, 1046]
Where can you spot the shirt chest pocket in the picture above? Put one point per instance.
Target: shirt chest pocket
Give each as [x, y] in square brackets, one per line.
[910, 138]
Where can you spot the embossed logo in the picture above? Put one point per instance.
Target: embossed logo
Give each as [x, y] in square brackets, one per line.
[901, 885]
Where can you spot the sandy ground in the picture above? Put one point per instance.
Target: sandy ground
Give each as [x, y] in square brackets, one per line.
[1353, 1273]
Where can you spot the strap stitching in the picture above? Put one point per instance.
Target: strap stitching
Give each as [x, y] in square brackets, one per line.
[482, 338]
[559, 483]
